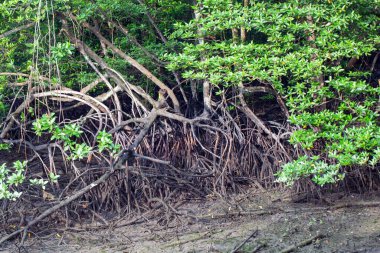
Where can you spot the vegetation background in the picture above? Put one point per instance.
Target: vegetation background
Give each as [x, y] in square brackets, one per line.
[127, 102]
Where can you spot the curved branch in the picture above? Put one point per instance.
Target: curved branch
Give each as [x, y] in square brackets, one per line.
[124, 123]
[90, 101]
[270, 90]
[120, 81]
[93, 84]
[252, 116]
[133, 62]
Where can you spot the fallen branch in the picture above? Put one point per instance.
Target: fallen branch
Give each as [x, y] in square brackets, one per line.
[115, 224]
[196, 238]
[258, 247]
[301, 244]
[245, 241]
[356, 204]
[337, 206]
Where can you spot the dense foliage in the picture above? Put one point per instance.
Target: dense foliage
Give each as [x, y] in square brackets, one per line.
[319, 58]
[303, 50]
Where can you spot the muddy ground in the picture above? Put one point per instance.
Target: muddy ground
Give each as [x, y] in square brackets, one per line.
[257, 222]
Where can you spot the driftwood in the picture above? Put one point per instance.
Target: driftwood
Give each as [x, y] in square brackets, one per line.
[301, 244]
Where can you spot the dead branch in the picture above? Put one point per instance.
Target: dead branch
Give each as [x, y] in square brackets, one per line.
[356, 204]
[11, 116]
[253, 234]
[270, 90]
[128, 87]
[14, 74]
[271, 211]
[101, 98]
[125, 123]
[30, 76]
[256, 89]
[29, 144]
[374, 62]
[196, 238]
[301, 244]
[258, 247]
[85, 99]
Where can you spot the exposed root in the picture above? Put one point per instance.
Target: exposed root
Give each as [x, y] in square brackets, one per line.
[171, 155]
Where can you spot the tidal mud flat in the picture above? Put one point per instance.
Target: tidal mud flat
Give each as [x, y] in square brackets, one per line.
[349, 223]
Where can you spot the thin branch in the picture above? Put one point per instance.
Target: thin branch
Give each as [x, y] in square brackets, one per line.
[93, 84]
[24, 75]
[117, 77]
[16, 30]
[301, 244]
[126, 122]
[90, 101]
[152, 159]
[134, 63]
[150, 18]
[104, 79]
[374, 62]
[253, 234]
[136, 43]
[148, 123]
